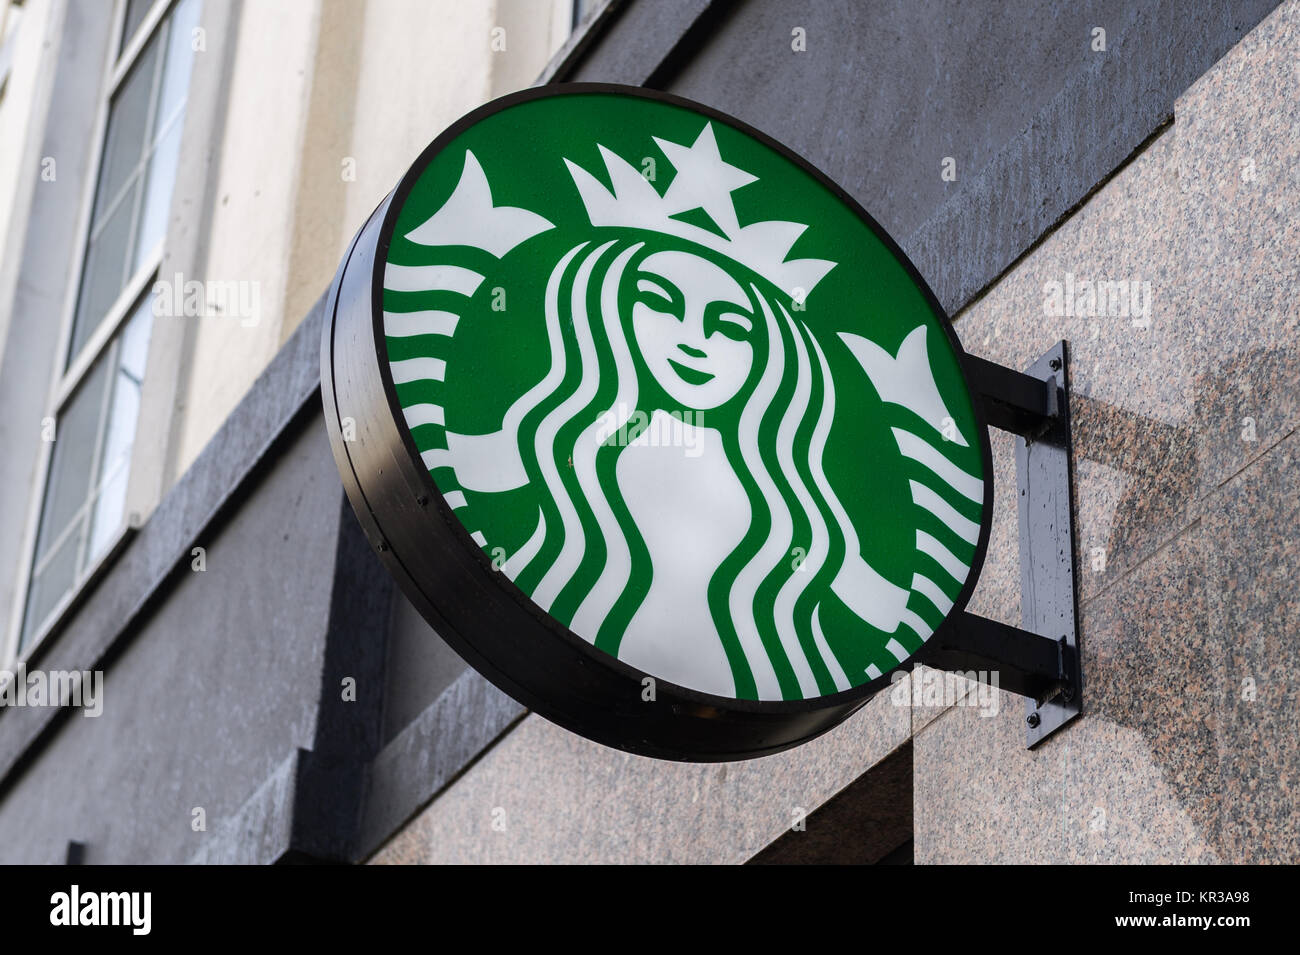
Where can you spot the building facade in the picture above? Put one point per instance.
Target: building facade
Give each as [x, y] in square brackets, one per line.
[178, 181]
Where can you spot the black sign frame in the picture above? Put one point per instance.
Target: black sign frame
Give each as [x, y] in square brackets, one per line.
[478, 611]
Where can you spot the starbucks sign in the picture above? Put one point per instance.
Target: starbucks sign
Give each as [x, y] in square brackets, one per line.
[655, 425]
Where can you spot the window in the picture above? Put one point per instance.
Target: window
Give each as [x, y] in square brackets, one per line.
[86, 490]
[97, 394]
[10, 15]
[138, 165]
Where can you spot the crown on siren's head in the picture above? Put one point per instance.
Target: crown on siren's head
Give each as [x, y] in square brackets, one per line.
[704, 181]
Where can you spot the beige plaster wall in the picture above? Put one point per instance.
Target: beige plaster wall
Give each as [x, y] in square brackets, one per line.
[329, 103]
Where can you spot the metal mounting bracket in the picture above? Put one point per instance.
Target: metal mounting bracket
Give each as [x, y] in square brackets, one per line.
[1042, 660]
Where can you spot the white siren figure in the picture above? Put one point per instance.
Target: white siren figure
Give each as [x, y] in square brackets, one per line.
[701, 343]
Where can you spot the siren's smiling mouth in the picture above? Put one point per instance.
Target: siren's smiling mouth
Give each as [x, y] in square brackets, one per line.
[692, 376]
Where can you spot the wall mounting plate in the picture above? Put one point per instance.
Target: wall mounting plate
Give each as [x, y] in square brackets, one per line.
[1039, 660]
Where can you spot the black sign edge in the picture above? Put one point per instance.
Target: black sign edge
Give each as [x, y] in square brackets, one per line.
[837, 706]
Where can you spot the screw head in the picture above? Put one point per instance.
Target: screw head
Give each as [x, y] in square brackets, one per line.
[1055, 364]
[1033, 719]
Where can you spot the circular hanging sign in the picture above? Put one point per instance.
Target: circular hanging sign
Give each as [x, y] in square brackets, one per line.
[653, 423]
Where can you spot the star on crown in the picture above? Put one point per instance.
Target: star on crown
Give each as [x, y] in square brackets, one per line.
[703, 181]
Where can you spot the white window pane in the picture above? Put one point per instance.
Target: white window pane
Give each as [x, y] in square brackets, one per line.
[176, 68]
[120, 426]
[135, 341]
[158, 193]
[169, 121]
[106, 514]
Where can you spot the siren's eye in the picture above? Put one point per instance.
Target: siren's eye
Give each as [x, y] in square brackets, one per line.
[726, 318]
[661, 295]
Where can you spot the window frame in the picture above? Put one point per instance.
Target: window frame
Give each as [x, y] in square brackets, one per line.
[70, 371]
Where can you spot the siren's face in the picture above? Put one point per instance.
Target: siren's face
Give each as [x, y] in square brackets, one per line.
[692, 323]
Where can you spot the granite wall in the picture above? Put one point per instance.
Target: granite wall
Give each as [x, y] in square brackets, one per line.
[1186, 505]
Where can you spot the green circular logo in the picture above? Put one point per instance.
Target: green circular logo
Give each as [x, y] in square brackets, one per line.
[684, 395]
